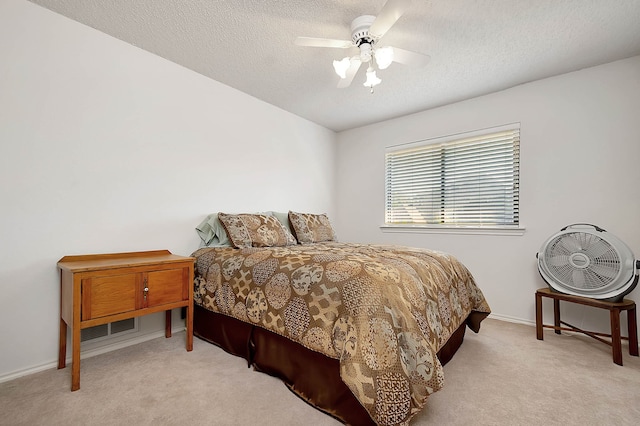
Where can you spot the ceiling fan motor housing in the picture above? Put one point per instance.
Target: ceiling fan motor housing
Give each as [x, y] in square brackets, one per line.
[585, 260]
[360, 29]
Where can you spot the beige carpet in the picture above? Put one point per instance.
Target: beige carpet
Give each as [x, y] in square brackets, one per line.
[501, 376]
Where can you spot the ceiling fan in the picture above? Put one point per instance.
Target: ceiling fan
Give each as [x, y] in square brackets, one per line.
[366, 32]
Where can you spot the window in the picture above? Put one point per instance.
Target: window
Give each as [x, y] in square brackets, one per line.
[465, 180]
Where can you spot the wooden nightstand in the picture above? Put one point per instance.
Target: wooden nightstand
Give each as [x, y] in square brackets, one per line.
[97, 289]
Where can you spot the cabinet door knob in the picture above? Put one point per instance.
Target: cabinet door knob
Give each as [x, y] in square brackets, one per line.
[146, 288]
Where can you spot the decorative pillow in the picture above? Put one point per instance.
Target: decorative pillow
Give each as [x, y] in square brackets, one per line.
[212, 232]
[283, 217]
[255, 230]
[311, 228]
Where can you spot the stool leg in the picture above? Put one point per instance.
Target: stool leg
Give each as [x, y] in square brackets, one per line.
[632, 328]
[556, 315]
[616, 343]
[539, 334]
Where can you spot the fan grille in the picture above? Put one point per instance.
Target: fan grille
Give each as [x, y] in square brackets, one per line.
[582, 261]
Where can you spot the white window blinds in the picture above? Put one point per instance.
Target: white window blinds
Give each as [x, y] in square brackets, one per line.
[463, 180]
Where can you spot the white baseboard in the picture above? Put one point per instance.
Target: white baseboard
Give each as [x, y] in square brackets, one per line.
[88, 353]
[150, 336]
[511, 319]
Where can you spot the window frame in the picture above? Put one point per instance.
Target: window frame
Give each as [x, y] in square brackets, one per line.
[445, 142]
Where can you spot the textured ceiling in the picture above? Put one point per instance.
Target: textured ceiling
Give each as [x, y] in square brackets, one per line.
[476, 47]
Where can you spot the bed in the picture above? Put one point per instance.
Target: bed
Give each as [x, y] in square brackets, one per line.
[358, 331]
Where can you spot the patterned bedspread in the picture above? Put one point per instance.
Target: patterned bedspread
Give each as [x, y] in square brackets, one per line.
[383, 311]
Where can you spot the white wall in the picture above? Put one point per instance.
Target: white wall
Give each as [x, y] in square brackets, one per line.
[107, 148]
[580, 162]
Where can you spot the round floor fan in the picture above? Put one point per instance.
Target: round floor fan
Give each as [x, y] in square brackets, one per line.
[585, 260]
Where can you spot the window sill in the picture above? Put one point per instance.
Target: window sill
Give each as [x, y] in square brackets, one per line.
[468, 230]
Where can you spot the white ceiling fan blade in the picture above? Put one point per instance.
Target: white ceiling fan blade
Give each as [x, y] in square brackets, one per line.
[390, 13]
[410, 58]
[323, 42]
[351, 73]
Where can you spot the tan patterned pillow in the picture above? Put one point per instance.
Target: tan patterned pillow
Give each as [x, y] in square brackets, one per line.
[255, 230]
[311, 228]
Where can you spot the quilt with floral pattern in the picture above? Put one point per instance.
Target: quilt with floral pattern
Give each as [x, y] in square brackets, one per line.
[382, 311]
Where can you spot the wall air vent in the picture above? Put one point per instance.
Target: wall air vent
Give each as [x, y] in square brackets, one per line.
[105, 331]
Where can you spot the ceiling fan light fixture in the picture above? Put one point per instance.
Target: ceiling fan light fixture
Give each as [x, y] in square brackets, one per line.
[366, 51]
[366, 31]
[384, 57]
[372, 78]
[342, 66]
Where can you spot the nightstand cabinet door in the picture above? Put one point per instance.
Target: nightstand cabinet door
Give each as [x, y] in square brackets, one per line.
[166, 286]
[110, 295]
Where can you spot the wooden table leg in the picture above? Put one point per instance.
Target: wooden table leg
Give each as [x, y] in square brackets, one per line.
[75, 359]
[62, 345]
[189, 321]
[616, 343]
[556, 315]
[539, 334]
[167, 324]
[632, 329]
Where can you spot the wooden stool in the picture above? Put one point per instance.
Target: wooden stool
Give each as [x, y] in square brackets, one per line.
[614, 314]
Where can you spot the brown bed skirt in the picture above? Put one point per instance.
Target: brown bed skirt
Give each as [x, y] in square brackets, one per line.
[311, 375]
